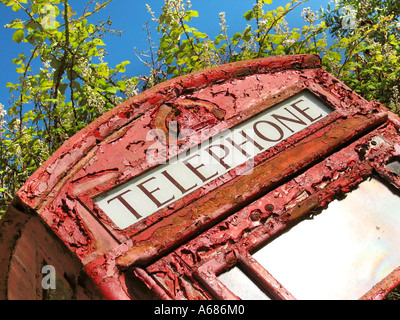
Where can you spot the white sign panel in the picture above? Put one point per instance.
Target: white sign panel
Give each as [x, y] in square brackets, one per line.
[160, 187]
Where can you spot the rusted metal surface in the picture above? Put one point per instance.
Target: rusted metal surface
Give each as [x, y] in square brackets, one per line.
[235, 212]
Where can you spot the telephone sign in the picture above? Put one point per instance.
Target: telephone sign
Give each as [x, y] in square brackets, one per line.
[169, 182]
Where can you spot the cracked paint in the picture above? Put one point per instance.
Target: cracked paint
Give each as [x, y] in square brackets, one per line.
[175, 249]
[220, 247]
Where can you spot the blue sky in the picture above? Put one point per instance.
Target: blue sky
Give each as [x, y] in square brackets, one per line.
[130, 16]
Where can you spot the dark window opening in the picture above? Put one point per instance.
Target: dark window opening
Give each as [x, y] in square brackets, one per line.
[394, 294]
[137, 288]
[61, 292]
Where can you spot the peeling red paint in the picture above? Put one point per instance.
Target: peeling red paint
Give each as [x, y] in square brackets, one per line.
[234, 238]
[234, 213]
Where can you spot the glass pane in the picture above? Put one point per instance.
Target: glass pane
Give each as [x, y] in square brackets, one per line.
[344, 251]
[238, 282]
[394, 166]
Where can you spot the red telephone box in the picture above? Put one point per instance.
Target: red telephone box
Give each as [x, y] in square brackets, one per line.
[261, 179]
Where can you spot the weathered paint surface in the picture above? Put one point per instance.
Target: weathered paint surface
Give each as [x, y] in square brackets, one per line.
[235, 238]
[290, 180]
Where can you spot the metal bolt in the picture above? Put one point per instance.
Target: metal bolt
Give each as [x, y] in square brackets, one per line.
[269, 207]
[255, 215]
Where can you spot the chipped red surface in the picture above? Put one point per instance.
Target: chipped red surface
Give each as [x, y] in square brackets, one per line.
[220, 247]
[301, 174]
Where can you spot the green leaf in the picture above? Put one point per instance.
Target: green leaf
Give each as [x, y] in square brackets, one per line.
[249, 15]
[98, 42]
[32, 24]
[193, 13]
[17, 24]
[16, 61]
[236, 36]
[18, 35]
[169, 59]
[189, 29]
[55, 63]
[181, 61]
[75, 85]
[51, 100]
[199, 34]
[277, 39]
[122, 65]
[164, 44]
[279, 49]
[218, 39]
[172, 70]
[35, 38]
[190, 15]
[16, 7]
[121, 85]
[35, 8]
[112, 90]
[103, 70]
[63, 87]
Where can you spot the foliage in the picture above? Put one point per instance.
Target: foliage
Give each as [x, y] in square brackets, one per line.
[66, 83]
[184, 49]
[355, 12]
[363, 50]
[367, 36]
